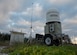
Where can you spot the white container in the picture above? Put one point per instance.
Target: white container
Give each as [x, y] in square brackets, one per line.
[52, 15]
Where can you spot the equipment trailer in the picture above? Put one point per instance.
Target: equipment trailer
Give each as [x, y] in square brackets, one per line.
[52, 29]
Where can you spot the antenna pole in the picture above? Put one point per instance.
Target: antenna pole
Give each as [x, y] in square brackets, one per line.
[30, 38]
[31, 19]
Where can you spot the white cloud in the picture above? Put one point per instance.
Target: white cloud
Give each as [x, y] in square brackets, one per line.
[71, 20]
[38, 27]
[69, 25]
[5, 7]
[60, 2]
[35, 10]
[74, 40]
[23, 22]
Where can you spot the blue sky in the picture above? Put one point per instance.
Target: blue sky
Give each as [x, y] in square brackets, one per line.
[16, 15]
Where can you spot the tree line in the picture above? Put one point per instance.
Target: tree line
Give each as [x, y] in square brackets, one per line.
[4, 36]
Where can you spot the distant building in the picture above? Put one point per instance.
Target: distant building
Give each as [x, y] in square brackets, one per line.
[16, 37]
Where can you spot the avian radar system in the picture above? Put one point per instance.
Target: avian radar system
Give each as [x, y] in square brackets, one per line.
[53, 24]
[52, 28]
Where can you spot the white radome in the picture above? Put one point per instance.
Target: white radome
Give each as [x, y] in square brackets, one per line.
[52, 15]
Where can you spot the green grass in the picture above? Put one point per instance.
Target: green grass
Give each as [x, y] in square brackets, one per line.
[41, 50]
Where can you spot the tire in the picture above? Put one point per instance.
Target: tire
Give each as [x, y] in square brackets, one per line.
[48, 41]
[57, 42]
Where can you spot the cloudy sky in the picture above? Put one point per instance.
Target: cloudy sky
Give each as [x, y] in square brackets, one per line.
[16, 15]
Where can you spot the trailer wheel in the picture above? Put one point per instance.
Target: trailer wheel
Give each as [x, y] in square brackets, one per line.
[48, 41]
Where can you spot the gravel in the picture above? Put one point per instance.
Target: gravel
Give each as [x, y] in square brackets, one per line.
[1, 47]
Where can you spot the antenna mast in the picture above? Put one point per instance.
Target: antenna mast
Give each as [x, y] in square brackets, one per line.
[30, 37]
[31, 21]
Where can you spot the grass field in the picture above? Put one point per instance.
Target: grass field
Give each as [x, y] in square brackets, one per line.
[41, 50]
